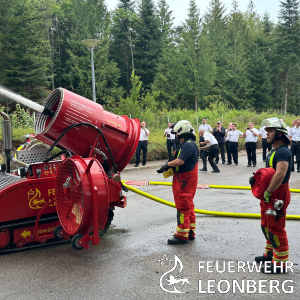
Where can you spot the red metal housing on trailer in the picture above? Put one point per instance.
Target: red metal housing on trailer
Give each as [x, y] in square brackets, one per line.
[82, 189]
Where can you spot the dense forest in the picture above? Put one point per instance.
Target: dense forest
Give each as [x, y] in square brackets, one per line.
[242, 59]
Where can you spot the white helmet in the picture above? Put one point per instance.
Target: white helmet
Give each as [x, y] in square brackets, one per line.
[183, 126]
[278, 125]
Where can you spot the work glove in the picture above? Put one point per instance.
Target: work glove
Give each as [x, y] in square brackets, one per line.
[267, 196]
[251, 180]
[164, 168]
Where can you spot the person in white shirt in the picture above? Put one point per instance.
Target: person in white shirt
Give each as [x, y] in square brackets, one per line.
[207, 128]
[294, 135]
[171, 140]
[233, 138]
[226, 138]
[142, 145]
[250, 136]
[211, 150]
[293, 125]
[265, 145]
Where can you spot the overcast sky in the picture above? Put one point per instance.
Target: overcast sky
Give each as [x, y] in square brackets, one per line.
[180, 7]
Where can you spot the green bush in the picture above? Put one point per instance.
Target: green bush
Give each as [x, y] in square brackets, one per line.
[20, 117]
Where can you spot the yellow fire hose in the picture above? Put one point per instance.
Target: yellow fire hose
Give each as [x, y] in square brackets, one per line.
[199, 211]
[213, 186]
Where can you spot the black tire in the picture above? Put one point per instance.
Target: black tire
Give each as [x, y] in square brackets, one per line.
[56, 232]
[110, 218]
[75, 241]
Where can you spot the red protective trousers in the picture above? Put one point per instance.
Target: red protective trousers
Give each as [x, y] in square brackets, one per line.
[184, 189]
[273, 230]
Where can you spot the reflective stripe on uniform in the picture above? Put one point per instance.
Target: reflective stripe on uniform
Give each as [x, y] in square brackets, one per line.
[281, 259]
[182, 234]
[181, 218]
[271, 159]
[268, 248]
[281, 253]
[276, 240]
[182, 230]
[177, 168]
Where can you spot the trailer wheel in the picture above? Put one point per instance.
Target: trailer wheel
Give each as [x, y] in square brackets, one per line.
[56, 233]
[75, 242]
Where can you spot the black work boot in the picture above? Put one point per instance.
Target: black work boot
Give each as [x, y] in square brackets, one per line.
[191, 235]
[264, 258]
[175, 240]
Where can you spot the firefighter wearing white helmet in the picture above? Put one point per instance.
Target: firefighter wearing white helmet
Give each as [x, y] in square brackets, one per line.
[185, 165]
[183, 126]
[280, 126]
[273, 226]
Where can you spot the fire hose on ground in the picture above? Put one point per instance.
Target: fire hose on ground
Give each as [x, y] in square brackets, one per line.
[206, 212]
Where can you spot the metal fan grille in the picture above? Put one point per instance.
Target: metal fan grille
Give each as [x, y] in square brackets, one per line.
[70, 197]
[31, 156]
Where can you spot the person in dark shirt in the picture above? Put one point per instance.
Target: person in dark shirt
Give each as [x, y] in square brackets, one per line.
[219, 134]
[185, 182]
[273, 227]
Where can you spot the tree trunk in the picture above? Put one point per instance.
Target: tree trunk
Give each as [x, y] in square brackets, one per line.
[286, 93]
[285, 101]
[196, 103]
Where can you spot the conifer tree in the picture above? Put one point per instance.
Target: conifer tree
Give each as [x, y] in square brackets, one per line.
[186, 72]
[288, 47]
[165, 24]
[122, 35]
[196, 59]
[166, 71]
[25, 57]
[267, 37]
[90, 20]
[166, 81]
[216, 26]
[147, 42]
[236, 84]
[260, 84]
[5, 12]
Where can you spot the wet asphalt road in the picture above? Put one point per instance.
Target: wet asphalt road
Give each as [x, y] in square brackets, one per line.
[125, 265]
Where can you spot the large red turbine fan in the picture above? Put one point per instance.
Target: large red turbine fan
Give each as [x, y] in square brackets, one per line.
[82, 199]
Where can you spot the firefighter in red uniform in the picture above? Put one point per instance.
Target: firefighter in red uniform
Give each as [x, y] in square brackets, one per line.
[272, 220]
[185, 181]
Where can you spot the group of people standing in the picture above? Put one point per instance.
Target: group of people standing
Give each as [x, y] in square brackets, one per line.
[215, 141]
